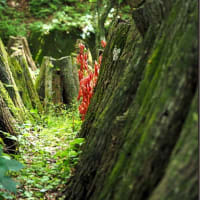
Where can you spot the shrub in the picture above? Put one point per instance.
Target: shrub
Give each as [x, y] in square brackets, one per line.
[87, 78]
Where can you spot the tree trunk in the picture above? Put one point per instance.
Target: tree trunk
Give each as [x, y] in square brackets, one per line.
[181, 172]
[19, 46]
[24, 82]
[57, 81]
[139, 143]
[8, 116]
[8, 80]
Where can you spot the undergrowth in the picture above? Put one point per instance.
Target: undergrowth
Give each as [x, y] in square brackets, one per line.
[11, 22]
[48, 149]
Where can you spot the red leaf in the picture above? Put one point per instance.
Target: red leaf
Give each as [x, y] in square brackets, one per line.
[103, 43]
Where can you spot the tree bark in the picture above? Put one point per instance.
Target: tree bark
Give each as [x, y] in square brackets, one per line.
[19, 46]
[25, 83]
[57, 81]
[181, 175]
[8, 119]
[7, 79]
[22, 66]
[140, 114]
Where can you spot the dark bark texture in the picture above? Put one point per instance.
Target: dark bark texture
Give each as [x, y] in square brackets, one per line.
[141, 125]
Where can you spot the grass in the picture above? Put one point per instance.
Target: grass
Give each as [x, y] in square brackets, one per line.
[48, 149]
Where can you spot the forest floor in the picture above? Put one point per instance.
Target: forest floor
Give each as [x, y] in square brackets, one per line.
[48, 150]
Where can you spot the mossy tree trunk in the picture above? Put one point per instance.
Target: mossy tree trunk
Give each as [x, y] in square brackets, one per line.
[7, 79]
[180, 179]
[58, 81]
[22, 66]
[25, 83]
[16, 91]
[9, 117]
[140, 143]
[19, 45]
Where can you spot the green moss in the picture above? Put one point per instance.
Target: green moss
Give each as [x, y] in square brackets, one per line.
[18, 75]
[4, 94]
[8, 81]
[185, 152]
[25, 84]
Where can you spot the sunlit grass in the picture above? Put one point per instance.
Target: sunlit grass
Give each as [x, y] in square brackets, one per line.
[48, 150]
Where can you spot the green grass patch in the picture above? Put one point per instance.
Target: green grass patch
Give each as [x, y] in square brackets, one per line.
[48, 149]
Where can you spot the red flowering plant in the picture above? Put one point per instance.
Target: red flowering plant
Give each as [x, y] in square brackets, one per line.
[87, 78]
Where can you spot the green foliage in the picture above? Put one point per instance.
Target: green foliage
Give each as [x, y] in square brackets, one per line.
[36, 26]
[43, 8]
[7, 135]
[7, 165]
[68, 157]
[49, 150]
[65, 18]
[10, 27]
[11, 22]
[43, 16]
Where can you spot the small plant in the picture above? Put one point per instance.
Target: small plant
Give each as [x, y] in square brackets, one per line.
[68, 157]
[7, 165]
[87, 78]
